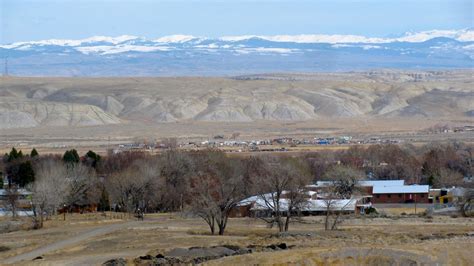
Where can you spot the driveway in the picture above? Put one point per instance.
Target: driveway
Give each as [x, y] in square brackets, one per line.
[84, 235]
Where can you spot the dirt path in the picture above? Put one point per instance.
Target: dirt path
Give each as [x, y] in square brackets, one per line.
[102, 230]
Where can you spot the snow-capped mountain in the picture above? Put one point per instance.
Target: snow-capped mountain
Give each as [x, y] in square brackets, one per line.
[232, 55]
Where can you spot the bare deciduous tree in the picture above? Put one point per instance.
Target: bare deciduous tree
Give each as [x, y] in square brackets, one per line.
[50, 189]
[83, 185]
[202, 203]
[217, 188]
[170, 143]
[467, 206]
[176, 168]
[342, 185]
[282, 187]
[135, 187]
[12, 196]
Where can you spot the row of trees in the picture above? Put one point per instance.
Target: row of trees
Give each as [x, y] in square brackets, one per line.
[54, 182]
[210, 184]
[19, 168]
[439, 165]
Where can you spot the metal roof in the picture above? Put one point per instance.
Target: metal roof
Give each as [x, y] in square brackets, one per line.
[311, 205]
[401, 189]
[21, 191]
[382, 183]
[367, 183]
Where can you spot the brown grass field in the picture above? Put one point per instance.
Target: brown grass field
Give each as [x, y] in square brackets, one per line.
[358, 241]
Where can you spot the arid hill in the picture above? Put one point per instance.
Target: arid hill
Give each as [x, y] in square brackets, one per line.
[31, 102]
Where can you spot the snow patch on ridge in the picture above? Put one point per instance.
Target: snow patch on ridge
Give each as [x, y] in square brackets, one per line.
[175, 39]
[59, 42]
[128, 43]
[266, 50]
[465, 35]
[106, 49]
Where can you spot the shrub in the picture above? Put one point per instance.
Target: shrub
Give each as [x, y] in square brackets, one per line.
[371, 210]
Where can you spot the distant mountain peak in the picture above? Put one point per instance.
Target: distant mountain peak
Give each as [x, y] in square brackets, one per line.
[463, 35]
[188, 55]
[178, 38]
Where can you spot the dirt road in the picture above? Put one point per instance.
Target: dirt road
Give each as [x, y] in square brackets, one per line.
[90, 233]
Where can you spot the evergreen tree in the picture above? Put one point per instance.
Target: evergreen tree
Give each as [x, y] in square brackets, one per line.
[71, 156]
[92, 158]
[34, 153]
[13, 155]
[25, 174]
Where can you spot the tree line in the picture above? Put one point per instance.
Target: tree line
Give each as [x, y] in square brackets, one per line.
[210, 184]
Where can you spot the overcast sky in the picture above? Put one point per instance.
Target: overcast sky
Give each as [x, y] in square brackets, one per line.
[24, 20]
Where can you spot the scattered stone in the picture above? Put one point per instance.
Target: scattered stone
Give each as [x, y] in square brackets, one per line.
[277, 246]
[200, 253]
[146, 257]
[408, 262]
[38, 258]
[272, 246]
[115, 262]
[196, 255]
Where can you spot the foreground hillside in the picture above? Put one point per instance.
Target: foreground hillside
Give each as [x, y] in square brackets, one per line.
[32, 102]
[395, 240]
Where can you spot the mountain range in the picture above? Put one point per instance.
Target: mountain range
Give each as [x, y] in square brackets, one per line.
[184, 55]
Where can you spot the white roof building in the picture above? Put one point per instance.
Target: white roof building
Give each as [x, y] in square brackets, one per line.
[311, 205]
[381, 183]
[21, 191]
[367, 183]
[401, 189]
[264, 202]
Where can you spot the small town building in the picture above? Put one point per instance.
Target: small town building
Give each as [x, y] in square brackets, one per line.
[401, 194]
[370, 192]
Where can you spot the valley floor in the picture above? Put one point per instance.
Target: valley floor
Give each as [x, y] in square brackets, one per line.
[102, 138]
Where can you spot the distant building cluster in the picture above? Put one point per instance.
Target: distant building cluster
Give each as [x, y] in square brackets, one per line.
[446, 128]
[282, 143]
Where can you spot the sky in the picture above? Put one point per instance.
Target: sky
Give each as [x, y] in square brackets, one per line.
[27, 20]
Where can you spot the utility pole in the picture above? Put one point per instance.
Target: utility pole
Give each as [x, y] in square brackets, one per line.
[5, 70]
[415, 203]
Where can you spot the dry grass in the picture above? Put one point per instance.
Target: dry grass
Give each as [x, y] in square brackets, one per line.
[162, 232]
[401, 211]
